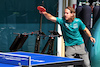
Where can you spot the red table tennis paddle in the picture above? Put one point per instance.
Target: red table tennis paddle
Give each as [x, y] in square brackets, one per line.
[41, 8]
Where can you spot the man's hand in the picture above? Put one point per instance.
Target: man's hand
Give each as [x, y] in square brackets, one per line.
[50, 17]
[41, 9]
[92, 39]
[87, 32]
[42, 12]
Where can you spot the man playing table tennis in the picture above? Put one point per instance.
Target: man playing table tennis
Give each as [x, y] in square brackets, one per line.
[70, 27]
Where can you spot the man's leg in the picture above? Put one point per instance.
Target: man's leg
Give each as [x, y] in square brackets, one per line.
[83, 53]
[70, 51]
[85, 57]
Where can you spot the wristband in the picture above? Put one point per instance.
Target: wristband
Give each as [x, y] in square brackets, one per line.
[90, 36]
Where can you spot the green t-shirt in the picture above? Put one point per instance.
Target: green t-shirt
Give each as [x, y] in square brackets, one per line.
[71, 31]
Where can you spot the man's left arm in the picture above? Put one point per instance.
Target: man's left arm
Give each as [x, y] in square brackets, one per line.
[87, 32]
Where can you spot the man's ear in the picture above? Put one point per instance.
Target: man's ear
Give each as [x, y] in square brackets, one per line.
[72, 14]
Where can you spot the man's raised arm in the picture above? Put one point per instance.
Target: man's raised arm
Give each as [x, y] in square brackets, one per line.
[48, 16]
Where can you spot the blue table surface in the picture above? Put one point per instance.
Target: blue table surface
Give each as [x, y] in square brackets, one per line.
[41, 59]
[47, 59]
[8, 65]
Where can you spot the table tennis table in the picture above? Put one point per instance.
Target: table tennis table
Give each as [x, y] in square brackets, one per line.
[28, 59]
